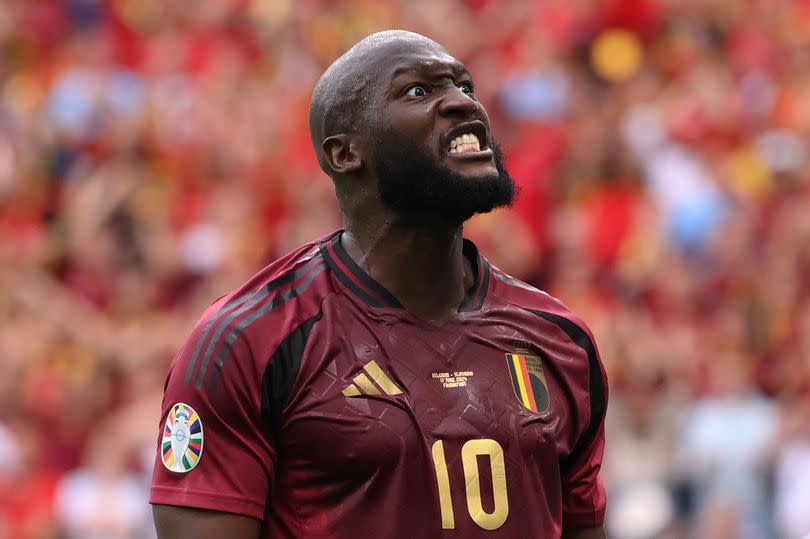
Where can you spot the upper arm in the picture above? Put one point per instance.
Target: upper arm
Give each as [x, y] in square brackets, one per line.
[584, 498]
[213, 393]
[184, 523]
[585, 533]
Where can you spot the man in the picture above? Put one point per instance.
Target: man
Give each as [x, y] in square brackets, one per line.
[387, 380]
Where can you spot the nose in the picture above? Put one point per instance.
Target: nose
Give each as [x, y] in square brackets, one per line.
[456, 102]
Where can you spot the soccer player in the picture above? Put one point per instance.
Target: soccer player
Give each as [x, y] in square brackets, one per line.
[387, 380]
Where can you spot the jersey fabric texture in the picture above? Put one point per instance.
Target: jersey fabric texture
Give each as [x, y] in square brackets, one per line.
[329, 411]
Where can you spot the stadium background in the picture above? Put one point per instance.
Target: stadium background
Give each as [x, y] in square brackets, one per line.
[154, 153]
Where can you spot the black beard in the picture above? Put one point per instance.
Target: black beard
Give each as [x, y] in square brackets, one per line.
[412, 183]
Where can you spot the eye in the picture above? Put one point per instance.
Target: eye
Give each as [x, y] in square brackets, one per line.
[416, 91]
[466, 87]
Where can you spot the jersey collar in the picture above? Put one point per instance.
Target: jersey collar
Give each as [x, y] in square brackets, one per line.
[376, 295]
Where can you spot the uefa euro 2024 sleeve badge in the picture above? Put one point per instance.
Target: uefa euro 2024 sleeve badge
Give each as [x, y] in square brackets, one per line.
[182, 443]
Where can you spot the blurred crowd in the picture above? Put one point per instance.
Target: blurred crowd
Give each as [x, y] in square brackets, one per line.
[155, 153]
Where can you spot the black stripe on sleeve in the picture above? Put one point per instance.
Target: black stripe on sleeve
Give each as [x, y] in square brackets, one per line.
[282, 371]
[225, 316]
[226, 350]
[596, 385]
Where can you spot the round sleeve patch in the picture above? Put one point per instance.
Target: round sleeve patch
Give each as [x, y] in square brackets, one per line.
[182, 444]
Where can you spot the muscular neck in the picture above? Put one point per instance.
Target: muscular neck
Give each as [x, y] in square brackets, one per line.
[421, 264]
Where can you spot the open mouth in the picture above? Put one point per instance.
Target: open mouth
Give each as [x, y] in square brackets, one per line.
[468, 138]
[467, 142]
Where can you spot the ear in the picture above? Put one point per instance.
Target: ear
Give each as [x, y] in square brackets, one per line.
[342, 153]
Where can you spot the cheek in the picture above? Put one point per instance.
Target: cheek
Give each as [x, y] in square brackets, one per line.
[484, 117]
[415, 125]
[408, 144]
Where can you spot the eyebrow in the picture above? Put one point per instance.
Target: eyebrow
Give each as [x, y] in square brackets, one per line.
[456, 68]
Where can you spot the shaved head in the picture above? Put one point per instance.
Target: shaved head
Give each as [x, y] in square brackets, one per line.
[342, 95]
[396, 124]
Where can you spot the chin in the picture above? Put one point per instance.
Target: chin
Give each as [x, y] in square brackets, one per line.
[473, 170]
[482, 177]
[454, 190]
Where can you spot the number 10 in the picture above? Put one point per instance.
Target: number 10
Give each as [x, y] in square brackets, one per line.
[469, 458]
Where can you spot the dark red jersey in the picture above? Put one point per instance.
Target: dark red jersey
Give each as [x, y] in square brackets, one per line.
[311, 400]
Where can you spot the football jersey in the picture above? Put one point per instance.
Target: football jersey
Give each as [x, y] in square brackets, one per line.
[311, 400]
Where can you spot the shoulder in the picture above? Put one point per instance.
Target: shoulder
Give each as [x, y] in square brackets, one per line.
[251, 321]
[290, 277]
[589, 379]
[561, 322]
[510, 290]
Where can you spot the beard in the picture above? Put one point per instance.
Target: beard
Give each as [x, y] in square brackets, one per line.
[412, 183]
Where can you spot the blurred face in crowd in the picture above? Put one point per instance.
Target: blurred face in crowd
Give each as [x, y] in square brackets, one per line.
[431, 147]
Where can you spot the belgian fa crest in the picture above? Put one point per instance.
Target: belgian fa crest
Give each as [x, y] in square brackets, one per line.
[528, 380]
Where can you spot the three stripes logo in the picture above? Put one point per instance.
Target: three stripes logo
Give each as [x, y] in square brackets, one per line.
[528, 381]
[372, 380]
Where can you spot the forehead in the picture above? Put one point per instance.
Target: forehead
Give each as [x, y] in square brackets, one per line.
[424, 60]
[438, 65]
[414, 54]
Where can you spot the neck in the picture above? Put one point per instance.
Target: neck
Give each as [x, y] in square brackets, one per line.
[421, 264]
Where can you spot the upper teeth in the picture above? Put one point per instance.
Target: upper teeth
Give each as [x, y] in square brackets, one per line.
[465, 143]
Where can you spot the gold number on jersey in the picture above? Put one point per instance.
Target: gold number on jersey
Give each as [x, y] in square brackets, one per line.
[470, 452]
[443, 480]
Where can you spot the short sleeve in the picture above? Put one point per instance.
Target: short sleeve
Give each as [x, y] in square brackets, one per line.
[584, 497]
[213, 451]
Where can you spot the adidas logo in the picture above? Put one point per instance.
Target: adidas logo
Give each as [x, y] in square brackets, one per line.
[371, 381]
